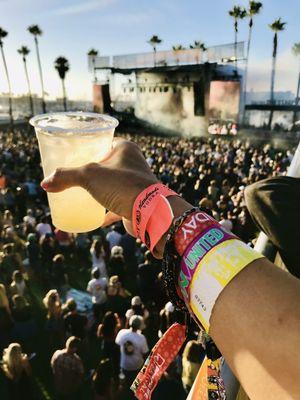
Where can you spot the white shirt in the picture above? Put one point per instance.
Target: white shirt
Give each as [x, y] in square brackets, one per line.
[113, 239]
[99, 263]
[30, 220]
[97, 289]
[227, 224]
[42, 228]
[133, 361]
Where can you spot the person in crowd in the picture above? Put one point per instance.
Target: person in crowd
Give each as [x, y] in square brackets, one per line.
[25, 327]
[8, 219]
[18, 285]
[6, 321]
[43, 227]
[116, 264]
[170, 387]
[167, 318]
[103, 381]
[147, 278]
[134, 348]
[98, 257]
[64, 241]
[68, 371]
[75, 323]
[54, 323]
[128, 244]
[97, 288]
[117, 296]
[82, 245]
[192, 358]
[17, 370]
[137, 308]
[29, 218]
[113, 237]
[273, 204]
[225, 221]
[47, 246]
[107, 332]
[33, 253]
[9, 262]
[59, 276]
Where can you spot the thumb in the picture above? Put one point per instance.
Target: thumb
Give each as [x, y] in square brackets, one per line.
[62, 178]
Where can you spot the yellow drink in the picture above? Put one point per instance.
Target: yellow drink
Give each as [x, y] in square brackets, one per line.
[71, 140]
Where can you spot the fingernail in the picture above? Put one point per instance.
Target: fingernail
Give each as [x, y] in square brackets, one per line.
[45, 184]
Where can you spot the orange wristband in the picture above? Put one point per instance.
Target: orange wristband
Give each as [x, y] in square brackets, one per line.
[152, 214]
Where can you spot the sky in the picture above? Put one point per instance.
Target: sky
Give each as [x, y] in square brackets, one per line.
[72, 27]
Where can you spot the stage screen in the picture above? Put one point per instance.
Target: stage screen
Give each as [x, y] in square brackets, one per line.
[224, 107]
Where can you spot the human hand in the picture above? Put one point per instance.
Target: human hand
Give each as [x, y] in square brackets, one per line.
[115, 182]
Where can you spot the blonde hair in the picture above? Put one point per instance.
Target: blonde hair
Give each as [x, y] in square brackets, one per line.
[3, 297]
[13, 361]
[52, 303]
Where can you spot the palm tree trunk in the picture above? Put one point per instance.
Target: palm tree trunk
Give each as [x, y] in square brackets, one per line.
[246, 68]
[29, 88]
[9, 86]
[154, 55]
[235, 44]
[41, 73]
[94, 70]
[64, 94]
[274, 55]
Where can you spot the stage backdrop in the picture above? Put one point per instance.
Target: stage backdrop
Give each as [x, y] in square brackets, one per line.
[224, 100]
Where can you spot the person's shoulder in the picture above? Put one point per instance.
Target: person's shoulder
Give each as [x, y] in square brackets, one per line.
[122, 333]
[68, 316]
[57, 354]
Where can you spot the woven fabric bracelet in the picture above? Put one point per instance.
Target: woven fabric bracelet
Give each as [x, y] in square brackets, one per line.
[171, 262]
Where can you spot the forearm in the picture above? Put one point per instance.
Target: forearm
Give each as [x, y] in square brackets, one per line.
[256, 323]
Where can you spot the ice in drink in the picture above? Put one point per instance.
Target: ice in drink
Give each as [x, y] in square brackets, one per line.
[71, 140]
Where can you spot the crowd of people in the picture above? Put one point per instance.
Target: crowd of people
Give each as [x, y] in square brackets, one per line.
[128, 309]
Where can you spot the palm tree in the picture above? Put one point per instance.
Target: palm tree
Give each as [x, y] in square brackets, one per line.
[276, 26]
[36, 31]
[61, 64]
[296, 52]
[253, 9]
[3, 34]
[154, 41]
[176, 49]
[236, 13]
[93, 54]
[24, 51]
[198, 45]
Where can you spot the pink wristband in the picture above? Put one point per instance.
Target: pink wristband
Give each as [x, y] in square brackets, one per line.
[152, 214]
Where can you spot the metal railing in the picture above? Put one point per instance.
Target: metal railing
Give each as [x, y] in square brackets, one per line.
[218, 54]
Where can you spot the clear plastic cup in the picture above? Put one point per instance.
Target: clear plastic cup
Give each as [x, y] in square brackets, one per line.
[73, 139]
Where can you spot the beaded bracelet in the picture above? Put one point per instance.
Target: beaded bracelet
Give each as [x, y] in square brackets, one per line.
[171, 261]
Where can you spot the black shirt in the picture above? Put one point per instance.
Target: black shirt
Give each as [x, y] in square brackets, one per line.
[75, 324]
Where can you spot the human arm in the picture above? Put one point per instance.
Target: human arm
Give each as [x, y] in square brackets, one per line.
[271, 202]
[256, 319]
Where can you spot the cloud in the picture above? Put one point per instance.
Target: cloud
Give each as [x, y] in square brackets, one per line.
[83, 7]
